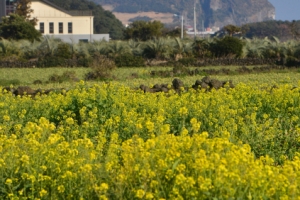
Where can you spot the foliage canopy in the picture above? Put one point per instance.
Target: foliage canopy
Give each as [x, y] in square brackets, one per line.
[227, 46]
[142, 30]
[17, 27]
[24, 9]
[284, 30]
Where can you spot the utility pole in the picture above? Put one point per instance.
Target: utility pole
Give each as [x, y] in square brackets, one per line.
[203, 29]
[181, 26]
[195, 20]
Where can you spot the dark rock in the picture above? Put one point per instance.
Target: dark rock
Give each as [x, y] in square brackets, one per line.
[8, 89]
[198, 82]
[214, 83]
[143, 87]
[204, 85]
[177, 84]
[37, 82]
[206, 79]
[157, 86]
[164, 86]
[24, 90]
[164, 89]
[39, 91]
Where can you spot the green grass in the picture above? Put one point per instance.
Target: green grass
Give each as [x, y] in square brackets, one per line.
[26, 76]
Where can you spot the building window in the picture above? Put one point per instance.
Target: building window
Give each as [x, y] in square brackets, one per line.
[42, 27]
[51, 27]
[10, 6]
[61, 27]
[84, 40]
[70, 27]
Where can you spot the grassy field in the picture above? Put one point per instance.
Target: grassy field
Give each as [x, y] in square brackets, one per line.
[16, 77]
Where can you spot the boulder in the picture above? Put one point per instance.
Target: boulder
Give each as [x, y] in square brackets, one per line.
[214, 83]
[24, 90]
[177, 84]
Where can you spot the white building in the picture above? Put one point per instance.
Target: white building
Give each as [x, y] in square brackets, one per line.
[69, 26]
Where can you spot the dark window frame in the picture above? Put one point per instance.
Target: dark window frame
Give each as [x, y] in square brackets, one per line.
[60, 27]
[70, 27]
[42, 27]
[51, 27]
[84, 40]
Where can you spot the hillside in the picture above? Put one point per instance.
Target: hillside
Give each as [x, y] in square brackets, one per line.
[211, 12]
[284, 30]
[104, 21]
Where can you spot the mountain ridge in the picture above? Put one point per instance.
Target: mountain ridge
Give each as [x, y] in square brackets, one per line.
[211, 12]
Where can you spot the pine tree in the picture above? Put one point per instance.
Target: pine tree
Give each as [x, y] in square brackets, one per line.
[24, 9]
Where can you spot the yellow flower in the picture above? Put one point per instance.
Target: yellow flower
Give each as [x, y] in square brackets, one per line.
[140, 194]
[18, 127]
[195, 125]
[70, 121]
[184, 132]
[6, 118]
[149, 195]
[150, 126]
[165, 128]
[183, 111]
[104, 187]
[25, 159]
[20, 192]
[139, 126]
[8, 181]
[103, 197]
[61, 189]
[44, 168]
[43, 192]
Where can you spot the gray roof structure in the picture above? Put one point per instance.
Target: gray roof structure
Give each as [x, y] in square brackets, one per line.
[70, 12]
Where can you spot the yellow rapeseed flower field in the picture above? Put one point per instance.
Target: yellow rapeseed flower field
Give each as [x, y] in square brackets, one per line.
[108, 141]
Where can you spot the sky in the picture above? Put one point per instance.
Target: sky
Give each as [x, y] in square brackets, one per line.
[286, 9]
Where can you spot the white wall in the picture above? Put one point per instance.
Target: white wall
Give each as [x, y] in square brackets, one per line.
[78, 38]
[44, 13]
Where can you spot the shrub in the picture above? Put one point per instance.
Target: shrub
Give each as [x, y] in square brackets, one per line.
[84, 62]
[37, 82]
[227, 46]
[101, 68]
[51, 61]
[66, 76]
[63, 51]
[189, 61]
[129, 60]
[291, 62]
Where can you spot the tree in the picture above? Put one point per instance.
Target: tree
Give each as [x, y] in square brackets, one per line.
[294, 30]
[201, 48]
[231, 29]
[227, 46]
[24, 9]
[142, 30]
[17, 27]
[157, 48]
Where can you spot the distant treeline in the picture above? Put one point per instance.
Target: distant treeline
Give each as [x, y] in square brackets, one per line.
[284, 30]
[227, 50]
